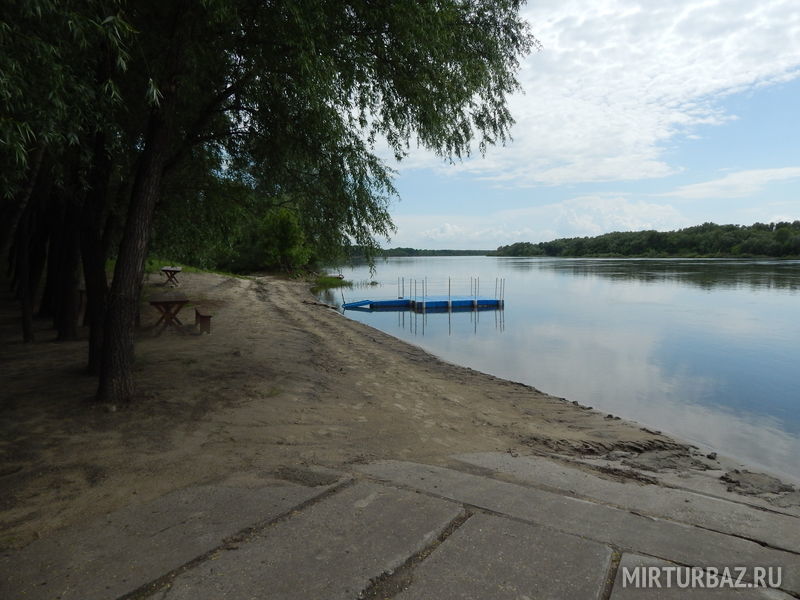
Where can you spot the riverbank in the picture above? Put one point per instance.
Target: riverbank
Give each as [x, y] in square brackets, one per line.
[282, 383]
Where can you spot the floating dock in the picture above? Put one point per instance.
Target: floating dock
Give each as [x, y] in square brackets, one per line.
[428, 304]
[425, 302]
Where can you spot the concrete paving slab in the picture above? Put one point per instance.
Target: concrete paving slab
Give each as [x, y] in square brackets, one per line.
[126, 549]
[330, 550]
[625, 588]
[671, 541]
[491, 558]
[703, 482]
[777, 530]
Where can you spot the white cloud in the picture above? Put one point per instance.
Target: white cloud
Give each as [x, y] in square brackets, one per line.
[580, 216]
[594, 215]
[618, 79]
[736, 185]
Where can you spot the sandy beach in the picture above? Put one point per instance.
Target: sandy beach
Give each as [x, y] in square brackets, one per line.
[281, 383]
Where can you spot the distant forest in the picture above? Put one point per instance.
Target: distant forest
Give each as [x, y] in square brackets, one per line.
[706, 240]
[360, 252]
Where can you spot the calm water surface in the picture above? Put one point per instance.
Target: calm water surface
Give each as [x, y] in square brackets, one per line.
[708, 350]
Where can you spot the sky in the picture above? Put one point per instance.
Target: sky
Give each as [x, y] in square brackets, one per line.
[635, 114]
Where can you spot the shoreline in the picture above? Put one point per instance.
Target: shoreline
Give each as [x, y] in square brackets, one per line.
[283, 383]
[729, 460]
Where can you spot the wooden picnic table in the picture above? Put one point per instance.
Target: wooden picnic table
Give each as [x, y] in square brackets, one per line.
[172, 274]
[169, 305]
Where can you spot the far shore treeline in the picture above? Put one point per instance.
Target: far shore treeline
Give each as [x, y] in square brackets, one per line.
[357, 252]
[778, 240]
[706, 240]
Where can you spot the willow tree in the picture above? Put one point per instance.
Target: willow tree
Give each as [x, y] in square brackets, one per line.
[57, 92]
[293, 95]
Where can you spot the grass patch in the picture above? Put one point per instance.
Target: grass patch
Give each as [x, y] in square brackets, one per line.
[327, 282]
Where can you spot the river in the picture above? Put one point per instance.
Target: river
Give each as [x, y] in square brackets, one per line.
[705, 349]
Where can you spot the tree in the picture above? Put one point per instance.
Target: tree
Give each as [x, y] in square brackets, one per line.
[281, 102]
[295, 94]
[55, 97]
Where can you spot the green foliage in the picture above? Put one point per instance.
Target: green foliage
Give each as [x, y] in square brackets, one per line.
[276, 241]
[356, 252]
[283, 240]
[287, 99]
[308, 105]
[708, 239]
[326, 282]
[50, 91]
[153, 265]
[293, 118]
[203, 224]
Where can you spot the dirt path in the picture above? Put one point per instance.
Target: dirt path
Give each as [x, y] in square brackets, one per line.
[279, 383]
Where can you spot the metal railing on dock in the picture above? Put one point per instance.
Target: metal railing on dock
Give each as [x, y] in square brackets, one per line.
[421, 299]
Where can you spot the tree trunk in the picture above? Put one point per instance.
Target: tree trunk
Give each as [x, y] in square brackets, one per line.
[116, 378]
[54, 222]
[46, 308]
[67, 296]
[65, 291]
[22, 256]
[38, 257]
[7, 234]
[92, 250]
[28, 256]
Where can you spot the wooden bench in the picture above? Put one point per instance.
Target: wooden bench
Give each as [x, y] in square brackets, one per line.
[202, 318]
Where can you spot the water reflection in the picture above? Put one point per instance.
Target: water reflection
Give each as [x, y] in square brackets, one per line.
[704, 273]
[434, 321]
[706, 350]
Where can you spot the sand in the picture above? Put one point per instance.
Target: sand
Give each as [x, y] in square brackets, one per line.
[280, 383]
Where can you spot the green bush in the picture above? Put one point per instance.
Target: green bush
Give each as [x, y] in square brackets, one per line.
[276, 241]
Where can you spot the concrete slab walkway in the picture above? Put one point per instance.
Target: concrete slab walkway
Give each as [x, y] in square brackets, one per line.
[128, 549]
[490, 527]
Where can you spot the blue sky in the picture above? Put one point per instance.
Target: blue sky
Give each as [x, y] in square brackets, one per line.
[635, 115]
